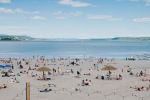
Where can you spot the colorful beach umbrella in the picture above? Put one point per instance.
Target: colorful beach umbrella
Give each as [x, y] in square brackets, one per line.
[5, 66]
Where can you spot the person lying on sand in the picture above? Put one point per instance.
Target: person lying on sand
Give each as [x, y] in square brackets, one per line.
[86, 82]
[77, 89]
[3, 86]
[46, 90]
[13, 80]
[88, 74]
[51, 85]
[119, 77]
[6, 74]
[141, 88]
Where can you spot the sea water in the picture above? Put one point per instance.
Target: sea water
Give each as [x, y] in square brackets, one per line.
[79, 48]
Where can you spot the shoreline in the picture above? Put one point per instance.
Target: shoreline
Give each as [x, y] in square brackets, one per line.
[136, 57]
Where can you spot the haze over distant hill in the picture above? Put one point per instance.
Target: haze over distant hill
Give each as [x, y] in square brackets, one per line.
[28, 38]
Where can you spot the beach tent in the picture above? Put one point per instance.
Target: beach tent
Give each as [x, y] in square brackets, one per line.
[5, 66]
[43, 69]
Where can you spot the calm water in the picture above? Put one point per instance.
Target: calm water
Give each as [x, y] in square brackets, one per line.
[99, 48]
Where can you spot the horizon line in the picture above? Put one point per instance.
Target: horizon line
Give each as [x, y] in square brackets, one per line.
[77, 37]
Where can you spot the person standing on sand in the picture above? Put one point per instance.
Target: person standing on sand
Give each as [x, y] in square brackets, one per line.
[109, 72]
[78, 73]
[72, 71]
[83, 83]
[12, 67]
[94, 66]
[141, 73]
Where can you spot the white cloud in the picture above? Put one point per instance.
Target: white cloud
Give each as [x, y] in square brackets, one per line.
[20, 11]
[5, 1]
[38, 18]
[64, 15]
[16, 11]
[146, 2]
[142, 20]
[74, 3]
[135, 0]
[6, 11]
[58, 13]
[103, 17]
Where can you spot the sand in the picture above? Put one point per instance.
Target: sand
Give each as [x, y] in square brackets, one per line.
[70, 87]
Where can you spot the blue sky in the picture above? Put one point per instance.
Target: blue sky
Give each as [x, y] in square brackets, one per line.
[75, 18]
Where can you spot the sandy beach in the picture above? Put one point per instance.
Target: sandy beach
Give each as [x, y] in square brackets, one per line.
[76, 79]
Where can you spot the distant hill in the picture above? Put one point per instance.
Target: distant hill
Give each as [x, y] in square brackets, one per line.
[15, 38]
[132, 38]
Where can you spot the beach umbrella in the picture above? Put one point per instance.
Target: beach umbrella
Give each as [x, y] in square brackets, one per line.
[5, 66]
[109, 67]
[43, 69]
